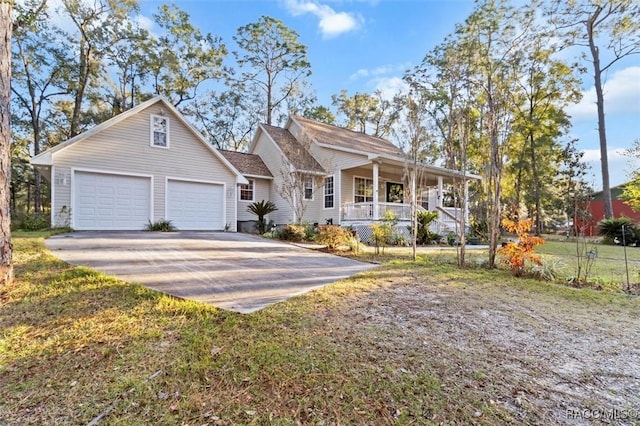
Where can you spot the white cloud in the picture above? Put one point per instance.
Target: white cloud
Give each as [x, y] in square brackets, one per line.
[331, 23]
[144, 22]
[390, 86]
[380, 71]
[621, 94]
[620, 166]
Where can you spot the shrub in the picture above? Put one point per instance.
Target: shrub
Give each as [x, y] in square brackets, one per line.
[380, 236]
[353, 242]
[516, 254]
[334, 236]
[611, 229]
[399, 239]
[161, 226]
[310, 232]
[31, 222]
[292, 232]
[423, 233]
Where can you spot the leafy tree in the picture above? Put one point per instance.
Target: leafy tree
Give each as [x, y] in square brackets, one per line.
[273, 63]
[516, 254]
[226, 119]
[610, 31]
[446, 79]
[631, 191]
[6, 249]
[182, 57]
[94, 34]
[130, 57]
[490, 37]
[40, 65]
[414, 136]
[368, 113]
[320, 113]
[546, 87]
[574, 190]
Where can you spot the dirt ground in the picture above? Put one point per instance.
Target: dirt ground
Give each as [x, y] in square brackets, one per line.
[544, 358]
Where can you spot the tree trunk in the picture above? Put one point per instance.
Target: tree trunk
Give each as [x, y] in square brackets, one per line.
[37, 188]
[6, 264]
[536, 186]
[83, 79]
[602, 134]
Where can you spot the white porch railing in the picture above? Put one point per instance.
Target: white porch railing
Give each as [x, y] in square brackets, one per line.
[364, 211]
[449, 220]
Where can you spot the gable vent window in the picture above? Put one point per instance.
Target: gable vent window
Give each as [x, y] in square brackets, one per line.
[159, 131]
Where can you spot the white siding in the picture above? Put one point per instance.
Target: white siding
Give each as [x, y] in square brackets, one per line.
[125, 148]
[272, 158]
[261, 191]
[335, 162]
[61, 197]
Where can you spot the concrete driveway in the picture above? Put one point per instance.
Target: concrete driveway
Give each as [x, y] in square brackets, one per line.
[237, 272]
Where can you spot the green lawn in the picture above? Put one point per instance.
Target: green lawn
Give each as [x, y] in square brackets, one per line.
[608, 266]
[403, 344]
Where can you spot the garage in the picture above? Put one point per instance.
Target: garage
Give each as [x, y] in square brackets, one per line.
[104, 201]
[195, 205]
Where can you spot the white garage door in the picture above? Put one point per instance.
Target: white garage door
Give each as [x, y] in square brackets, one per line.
[111, 202]
[195, 205]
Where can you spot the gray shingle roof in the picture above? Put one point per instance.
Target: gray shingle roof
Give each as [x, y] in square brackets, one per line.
[247, 164]
[293, 150]
[344, 138]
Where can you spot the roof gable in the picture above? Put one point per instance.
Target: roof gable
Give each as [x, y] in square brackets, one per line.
[247, 164]
[46, 158]
[293, 150]
[338, 137]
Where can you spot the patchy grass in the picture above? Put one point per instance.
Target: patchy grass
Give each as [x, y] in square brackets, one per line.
[608, 267]
[406, 343]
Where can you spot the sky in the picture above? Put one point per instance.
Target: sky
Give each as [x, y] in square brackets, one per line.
[365, 45]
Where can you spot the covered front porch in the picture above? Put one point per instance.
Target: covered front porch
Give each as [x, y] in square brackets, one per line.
[386, 185]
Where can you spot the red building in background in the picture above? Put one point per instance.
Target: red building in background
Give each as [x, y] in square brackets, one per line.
[596, 211]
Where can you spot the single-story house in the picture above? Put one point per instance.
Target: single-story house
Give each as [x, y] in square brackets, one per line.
[149, 164]
[321, 173]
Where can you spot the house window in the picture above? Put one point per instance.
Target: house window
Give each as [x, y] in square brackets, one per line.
[328, 192]
[246, 191]
[308, 188]
[363, 190]
[395, 192]
[159, 131]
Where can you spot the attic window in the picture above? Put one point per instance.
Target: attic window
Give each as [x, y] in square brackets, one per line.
[159, 131]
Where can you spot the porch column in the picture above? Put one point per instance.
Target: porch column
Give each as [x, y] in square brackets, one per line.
[376, 207]
[440, 192]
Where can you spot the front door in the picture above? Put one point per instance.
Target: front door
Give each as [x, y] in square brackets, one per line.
[395, 192]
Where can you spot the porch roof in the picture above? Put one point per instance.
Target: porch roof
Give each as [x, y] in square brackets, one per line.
[430, 173]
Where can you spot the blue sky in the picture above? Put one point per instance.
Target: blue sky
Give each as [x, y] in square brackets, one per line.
[364, 45]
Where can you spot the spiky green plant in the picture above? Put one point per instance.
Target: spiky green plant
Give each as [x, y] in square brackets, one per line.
[261, 209]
